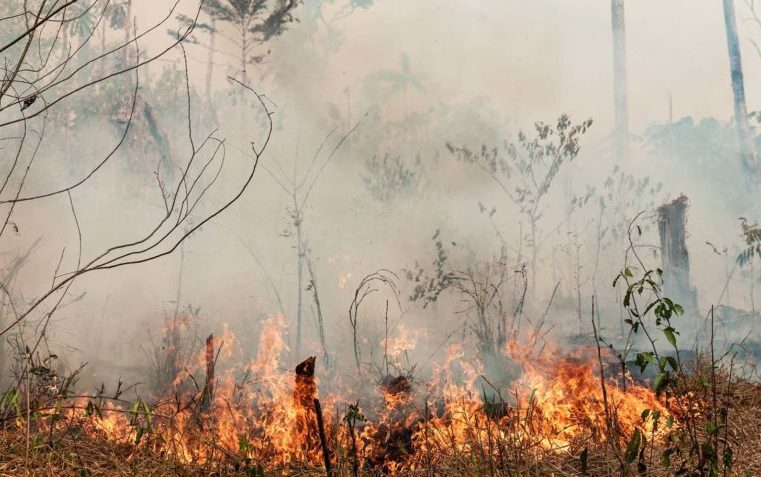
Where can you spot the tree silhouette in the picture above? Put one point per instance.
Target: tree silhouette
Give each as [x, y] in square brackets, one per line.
[392, 82]
[256, 22]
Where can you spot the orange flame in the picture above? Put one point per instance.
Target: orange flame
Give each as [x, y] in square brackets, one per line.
[268, 416]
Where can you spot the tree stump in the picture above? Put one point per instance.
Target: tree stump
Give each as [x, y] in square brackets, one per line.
[304, 396]
[672, 220]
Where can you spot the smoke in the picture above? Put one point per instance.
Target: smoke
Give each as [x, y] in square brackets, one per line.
[411, 76]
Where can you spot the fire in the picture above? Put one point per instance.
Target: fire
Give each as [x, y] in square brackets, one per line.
[403, 342]
[269, 413]
[343, 279]
[567, 402]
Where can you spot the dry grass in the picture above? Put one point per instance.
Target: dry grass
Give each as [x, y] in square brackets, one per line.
[75, 454]
[72, 452]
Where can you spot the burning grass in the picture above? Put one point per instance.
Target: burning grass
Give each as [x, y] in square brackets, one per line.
[268, 419]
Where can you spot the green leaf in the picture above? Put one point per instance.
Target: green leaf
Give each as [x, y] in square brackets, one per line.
[712, 427]
[661, 381]
[632, 449]
[670, 332]
[671, 361]
[643, 359]
[728, 454]
[134, 408]
[139, 435]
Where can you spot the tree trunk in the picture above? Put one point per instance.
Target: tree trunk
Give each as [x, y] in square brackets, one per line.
[747, 153]
[620, 80]
[672, 219]
[208, 390]
[300, 282]
[244, 53]
[304, 394]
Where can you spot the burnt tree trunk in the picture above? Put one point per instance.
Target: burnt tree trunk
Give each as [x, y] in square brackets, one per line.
[208, 391]
[323, 438]
[304, 396]
[672, 220]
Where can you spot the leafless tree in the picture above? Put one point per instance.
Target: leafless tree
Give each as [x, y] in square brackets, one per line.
[35, 85]
[298, 186]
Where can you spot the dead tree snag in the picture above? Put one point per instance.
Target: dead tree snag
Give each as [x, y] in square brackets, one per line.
[672, 220]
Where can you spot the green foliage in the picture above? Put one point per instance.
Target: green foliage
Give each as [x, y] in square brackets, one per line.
[526, 168]
[244, 446]
[259, 20]
[752, 235]
[83, 19]
[390, 178]
[706, 143]
[635, 447]
[141, 419]
[621, 196]
[354, 415]
[116, 14]
[661, 310]
[428, 286]
[10, 400]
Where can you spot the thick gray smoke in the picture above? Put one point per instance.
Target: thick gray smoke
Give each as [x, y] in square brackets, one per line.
[367, 96]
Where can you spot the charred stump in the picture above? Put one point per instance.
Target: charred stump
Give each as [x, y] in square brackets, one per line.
[208, 390]
[304, 396]
[672, 220]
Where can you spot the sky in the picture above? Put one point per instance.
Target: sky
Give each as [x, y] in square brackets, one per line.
[535, 58]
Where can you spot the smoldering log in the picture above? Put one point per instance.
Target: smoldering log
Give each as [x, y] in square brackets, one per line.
[672, 228]
[306, 387]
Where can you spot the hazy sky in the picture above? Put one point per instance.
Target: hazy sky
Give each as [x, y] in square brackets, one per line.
[538, 57]
[535, 58]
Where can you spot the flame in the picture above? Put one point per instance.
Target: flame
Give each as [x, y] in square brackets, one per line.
[567, 402]
[264, 411]
[343, 279]
[403, 342]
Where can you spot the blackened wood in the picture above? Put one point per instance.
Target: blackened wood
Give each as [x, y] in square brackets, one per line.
[323, 439]
[208, 392]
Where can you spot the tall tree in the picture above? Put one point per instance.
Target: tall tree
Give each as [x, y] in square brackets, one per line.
[619, 79]
[747, 153]
[256, 21]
